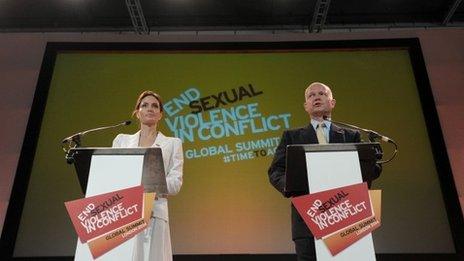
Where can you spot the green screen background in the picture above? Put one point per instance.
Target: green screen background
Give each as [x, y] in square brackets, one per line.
[231, 207]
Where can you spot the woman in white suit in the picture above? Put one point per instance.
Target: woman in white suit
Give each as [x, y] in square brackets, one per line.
[154, 243]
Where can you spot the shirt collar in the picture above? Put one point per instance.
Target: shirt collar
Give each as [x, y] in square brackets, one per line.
[315, 123]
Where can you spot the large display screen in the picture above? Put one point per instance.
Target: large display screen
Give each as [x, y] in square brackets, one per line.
[230, 104]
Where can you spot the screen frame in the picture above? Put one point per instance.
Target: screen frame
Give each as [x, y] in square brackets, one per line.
[442, 163]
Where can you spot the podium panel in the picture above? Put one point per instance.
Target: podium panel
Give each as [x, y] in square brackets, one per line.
[103, 170]
[296, 181]
[109, 173]
[332, 169]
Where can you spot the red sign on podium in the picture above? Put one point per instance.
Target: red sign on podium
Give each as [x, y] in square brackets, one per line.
[336, 213]
[107, 220]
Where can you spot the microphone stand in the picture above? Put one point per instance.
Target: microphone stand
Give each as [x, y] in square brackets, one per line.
[372, 135]
[74, 141]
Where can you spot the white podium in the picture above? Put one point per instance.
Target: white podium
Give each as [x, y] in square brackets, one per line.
[327, 167]
[103, 170]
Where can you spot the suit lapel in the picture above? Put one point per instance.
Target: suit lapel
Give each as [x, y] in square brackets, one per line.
[160, 140]
[336, 134]
[134, 140]
[308, 135]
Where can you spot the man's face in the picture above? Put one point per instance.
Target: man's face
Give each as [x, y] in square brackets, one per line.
[319, 101]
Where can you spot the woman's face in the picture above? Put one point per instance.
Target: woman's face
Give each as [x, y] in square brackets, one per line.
[149, 112]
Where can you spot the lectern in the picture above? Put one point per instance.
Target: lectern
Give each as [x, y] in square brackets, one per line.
[315, 167]
[103, 170]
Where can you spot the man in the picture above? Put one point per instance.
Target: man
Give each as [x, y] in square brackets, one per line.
[319, 103]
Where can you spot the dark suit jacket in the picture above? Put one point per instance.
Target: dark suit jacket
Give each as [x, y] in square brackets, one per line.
[276, 172]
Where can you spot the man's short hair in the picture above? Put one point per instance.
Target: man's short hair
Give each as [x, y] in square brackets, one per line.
[329, 91]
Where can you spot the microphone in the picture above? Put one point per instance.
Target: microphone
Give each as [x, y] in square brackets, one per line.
[75, 140]
[372, 134]
[77, 137]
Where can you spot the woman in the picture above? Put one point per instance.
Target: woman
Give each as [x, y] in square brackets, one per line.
[154, 243]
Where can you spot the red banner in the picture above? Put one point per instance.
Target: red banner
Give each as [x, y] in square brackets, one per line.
[329, 211]
[337, 242]
[340, 216]
[97, 215]
[107, 220]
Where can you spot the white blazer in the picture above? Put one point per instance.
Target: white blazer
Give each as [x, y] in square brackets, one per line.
[173, 159]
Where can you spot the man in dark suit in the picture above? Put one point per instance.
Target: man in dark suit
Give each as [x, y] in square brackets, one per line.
[319, 103]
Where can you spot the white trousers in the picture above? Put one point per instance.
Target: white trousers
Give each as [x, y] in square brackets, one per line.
[154, 243]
